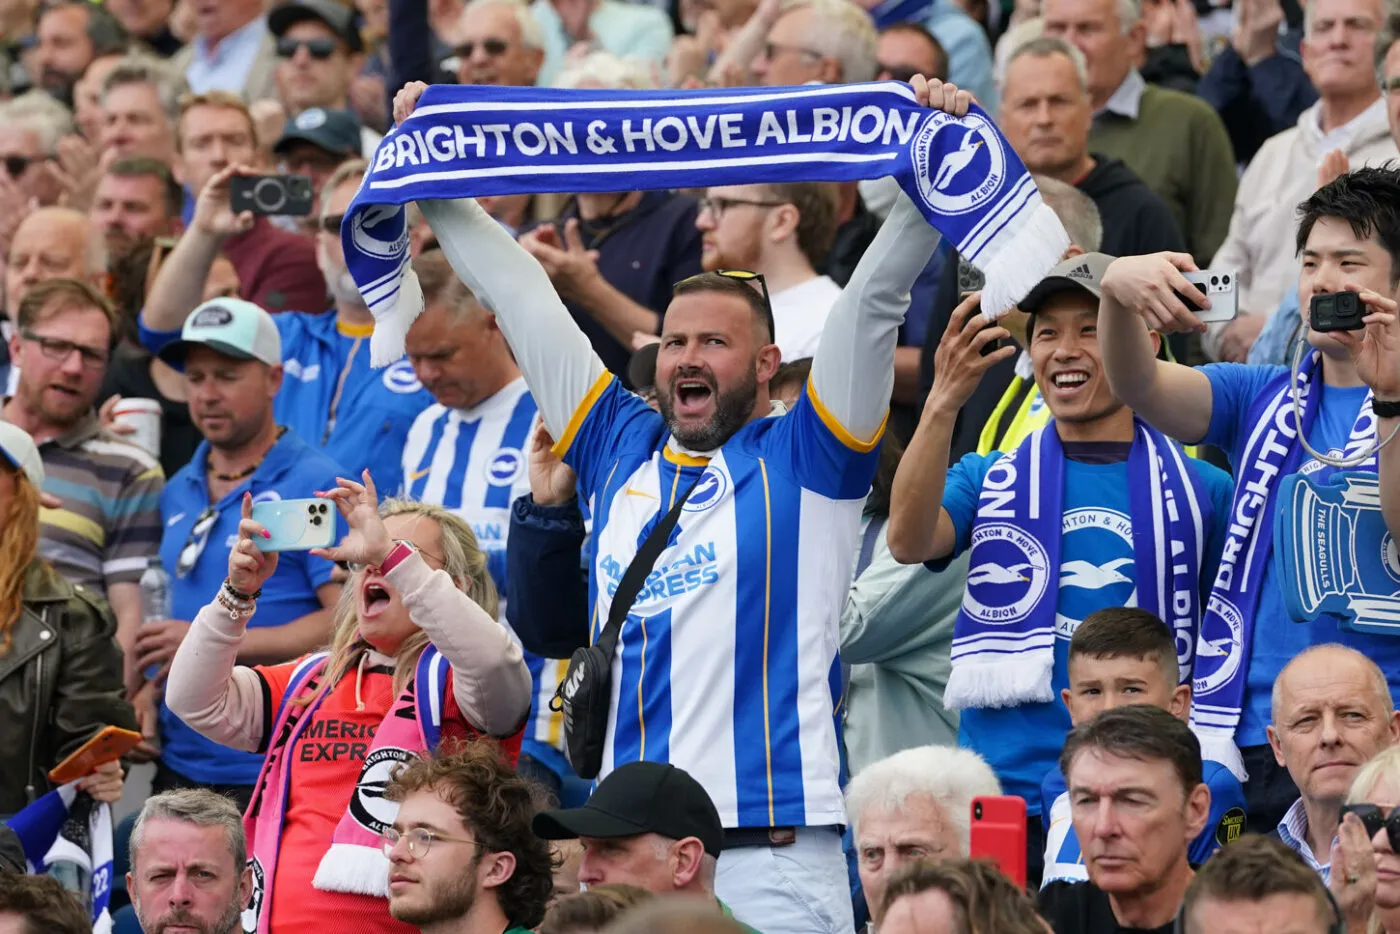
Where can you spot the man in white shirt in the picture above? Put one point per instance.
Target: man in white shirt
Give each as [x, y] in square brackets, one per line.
[1338, 55]
[232, 50]
[782, 232]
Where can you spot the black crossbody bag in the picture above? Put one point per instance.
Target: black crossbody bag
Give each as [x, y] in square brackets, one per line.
[585, 694]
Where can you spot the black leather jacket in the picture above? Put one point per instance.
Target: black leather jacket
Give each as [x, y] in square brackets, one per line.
[60, 683]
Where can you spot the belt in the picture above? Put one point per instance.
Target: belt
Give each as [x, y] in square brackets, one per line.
[735, 837]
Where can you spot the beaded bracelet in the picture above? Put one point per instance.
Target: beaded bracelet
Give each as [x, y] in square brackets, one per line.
[240, 595]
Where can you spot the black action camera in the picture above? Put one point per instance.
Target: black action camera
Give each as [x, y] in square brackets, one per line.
[1336, 311]
[271, 194]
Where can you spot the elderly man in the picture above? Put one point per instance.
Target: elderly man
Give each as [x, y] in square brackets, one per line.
[34, 123]
[1175, 142]
[830, 41]
[232, 50]
[498, 42]
[140, 106]
[52, 243]
[1332, 711]
[646, 824]
[915, 805]
[189, 863]
[1350, 117]
[1137, 800]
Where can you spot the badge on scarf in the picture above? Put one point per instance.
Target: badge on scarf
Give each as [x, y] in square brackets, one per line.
[1337, 555]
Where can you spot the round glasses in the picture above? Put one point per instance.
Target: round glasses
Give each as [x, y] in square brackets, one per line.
[418, 840]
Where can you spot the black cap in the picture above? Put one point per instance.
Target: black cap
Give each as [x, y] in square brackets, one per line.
[338, 16]
[335, 131]
[641, 369]
[638, 798]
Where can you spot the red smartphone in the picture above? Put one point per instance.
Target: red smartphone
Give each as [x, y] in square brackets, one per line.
[110, 744]
[999, 834]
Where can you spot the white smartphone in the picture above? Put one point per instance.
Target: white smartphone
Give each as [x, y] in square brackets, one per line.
[1220, 287]
[296, 524]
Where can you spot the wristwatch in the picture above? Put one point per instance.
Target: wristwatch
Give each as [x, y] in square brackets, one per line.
[1384, 409]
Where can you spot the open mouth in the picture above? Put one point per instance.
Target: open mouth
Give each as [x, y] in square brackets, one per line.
[692, 396]
[1069, 380]
[376, 599]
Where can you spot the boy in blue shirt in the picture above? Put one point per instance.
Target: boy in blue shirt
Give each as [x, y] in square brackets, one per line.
[1348, 390]
[1121, 656]
[1093, 510]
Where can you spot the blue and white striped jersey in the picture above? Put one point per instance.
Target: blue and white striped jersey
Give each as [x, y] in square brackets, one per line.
[724, 667]
[473, 461]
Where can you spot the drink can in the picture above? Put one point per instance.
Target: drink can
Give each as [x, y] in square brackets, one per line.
[144, 416]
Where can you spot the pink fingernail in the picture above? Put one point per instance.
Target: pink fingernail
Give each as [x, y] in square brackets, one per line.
[266, 534]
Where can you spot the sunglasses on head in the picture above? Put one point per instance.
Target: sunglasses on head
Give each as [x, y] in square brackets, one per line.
[15, 166]
[742, 275]
[319, 49]
[1373, 818]
[492, 47]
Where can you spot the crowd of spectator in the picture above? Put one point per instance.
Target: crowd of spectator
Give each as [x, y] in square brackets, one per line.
[912, 562]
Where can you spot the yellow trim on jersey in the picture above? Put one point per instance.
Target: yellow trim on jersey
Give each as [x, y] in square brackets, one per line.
[683, 460]
[834, 425]
[641, 680]
[357, 331]
[561, 447]
[767, 614]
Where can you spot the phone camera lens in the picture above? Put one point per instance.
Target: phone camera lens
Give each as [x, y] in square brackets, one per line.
[315, 520]
[1225, 280]
[977, 810]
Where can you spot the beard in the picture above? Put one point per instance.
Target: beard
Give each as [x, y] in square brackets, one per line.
[338, 279]
[732, 409]
[447, 899]
[228, 923]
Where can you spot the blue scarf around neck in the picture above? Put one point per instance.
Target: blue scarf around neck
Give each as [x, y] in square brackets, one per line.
[1004, 636]
[470, 141]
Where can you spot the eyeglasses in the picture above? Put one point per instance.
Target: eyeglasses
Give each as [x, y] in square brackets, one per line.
[194, 545]
[356, 566]
[492, 47]
[1373, 818]
[59, 350]
[320, 49]
[772, 50]
[15, 166]
[903, 73]
[419, 840]
[742, 275]
[717, 206]
[330, 223]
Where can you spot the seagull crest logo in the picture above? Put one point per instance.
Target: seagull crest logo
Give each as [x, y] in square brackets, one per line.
[960, 163]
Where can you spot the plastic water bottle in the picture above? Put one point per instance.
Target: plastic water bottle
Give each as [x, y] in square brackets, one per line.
[155, 598]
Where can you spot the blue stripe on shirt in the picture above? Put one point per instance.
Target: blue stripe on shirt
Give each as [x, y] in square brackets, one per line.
[644, 701]
[452, 494]
[419, 481]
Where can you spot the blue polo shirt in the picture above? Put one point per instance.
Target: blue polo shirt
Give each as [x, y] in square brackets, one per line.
[291, 470]
[374, 409]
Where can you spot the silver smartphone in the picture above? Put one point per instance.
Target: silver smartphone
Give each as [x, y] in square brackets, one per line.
[296, 524]
[1219, 285]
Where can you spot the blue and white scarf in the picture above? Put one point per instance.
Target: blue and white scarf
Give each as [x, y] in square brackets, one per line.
[1004, 637]
[67, 826]
[1272, 451]
[472, 141]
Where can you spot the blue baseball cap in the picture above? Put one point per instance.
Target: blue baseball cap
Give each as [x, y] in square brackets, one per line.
[232, 327]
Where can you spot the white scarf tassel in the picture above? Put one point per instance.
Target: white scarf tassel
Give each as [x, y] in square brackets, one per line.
[1020, 261]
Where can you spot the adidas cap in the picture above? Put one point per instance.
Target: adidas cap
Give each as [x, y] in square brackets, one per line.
[1084, 271]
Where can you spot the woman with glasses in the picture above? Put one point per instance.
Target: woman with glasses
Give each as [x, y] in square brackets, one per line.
[416, 656]
[60, 668]
[1365, 866]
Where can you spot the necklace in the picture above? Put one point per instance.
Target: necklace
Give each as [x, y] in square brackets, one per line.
[248, 472]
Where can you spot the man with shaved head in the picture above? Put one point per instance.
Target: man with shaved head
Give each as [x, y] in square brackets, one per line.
[1332, 711]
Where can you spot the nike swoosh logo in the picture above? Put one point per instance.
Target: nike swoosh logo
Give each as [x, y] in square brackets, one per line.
[420, 473]
[631, 492]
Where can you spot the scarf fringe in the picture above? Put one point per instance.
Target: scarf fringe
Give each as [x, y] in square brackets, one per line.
[359, 870]
[1002, 682]
[1018, 262]
[1218, 745]
[391, 324]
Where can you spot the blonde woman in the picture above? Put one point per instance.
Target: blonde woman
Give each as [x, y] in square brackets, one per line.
[1366, 856]
[416, 656]
[60, 667]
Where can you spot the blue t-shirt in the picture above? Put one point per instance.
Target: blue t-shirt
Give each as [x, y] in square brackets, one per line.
[291, 470]
[1064, 860]
[1276, 638]
[1023, 742]
[374, 410]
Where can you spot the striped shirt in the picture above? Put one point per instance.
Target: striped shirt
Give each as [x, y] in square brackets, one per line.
[727, 665]
[1293, 830]
[109, 525]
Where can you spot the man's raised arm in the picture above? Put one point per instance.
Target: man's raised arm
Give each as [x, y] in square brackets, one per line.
[555, 357]
[853, 369]
[1175, 399]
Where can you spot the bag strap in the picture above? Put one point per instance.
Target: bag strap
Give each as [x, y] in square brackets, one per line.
[637, 571]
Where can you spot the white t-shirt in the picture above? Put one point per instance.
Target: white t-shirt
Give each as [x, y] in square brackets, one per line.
[799, 314]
